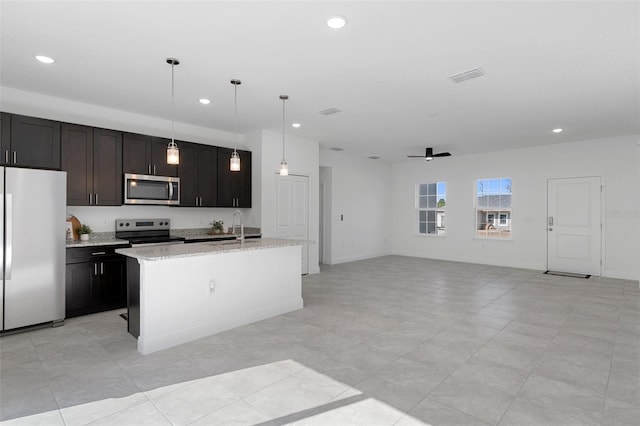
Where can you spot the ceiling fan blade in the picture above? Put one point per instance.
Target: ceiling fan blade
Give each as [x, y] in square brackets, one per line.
[443, 154]
[415, 156]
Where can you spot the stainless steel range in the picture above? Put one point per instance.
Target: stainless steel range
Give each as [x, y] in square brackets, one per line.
[146, 232]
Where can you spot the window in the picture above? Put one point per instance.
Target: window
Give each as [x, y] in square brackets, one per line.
[431, 202]
[493, 208]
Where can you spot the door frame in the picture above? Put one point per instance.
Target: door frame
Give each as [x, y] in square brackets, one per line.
[602, 211]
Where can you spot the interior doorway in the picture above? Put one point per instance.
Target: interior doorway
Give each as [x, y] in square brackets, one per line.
[574, 225]
[292, 211]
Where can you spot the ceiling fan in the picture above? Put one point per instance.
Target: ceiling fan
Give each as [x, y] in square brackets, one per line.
[429, 155]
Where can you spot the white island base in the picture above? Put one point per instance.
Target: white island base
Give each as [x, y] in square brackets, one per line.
[184, 297]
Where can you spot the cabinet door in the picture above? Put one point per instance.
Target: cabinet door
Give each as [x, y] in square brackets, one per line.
[188, 174]
[136, 153]
[159, 158]
[208, 175]
[5, 138]
[234, 188]
[77, 161]
[82, 292]
[107, 167]
[35, 142]
[226, 190]
[113, 289]
[243, 180]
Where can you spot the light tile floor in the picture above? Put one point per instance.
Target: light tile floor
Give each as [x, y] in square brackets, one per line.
[387, 341]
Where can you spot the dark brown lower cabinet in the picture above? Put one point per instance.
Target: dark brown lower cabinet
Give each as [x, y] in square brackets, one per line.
[95, 280]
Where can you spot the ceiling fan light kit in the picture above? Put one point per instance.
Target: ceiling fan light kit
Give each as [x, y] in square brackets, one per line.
[429, 155]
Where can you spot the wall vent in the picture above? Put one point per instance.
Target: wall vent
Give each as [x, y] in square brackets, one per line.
[335, 148]
[467, 75]
[329, 111]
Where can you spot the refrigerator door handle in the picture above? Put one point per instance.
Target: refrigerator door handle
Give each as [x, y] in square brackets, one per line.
[7, 236]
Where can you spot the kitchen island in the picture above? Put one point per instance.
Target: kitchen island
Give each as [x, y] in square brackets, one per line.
[183, 292]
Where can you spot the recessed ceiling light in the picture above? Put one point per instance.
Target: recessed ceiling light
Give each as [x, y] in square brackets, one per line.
[558, 130]
[204, 101]
[336, 22]
[296, 125]
[45, 59]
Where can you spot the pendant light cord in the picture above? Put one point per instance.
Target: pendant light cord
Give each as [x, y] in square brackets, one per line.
[172, 104]
[235, 117]
[283, 101]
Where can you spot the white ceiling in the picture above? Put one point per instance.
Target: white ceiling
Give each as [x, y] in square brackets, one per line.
[548, 64]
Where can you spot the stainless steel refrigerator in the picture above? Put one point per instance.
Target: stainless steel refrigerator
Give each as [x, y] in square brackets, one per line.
[33, 219]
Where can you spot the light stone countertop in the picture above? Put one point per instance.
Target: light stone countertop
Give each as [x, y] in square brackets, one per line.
[203, 234]
[174, 251]
[97, 239]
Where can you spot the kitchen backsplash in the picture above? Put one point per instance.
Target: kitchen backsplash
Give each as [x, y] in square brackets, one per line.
[102, 219]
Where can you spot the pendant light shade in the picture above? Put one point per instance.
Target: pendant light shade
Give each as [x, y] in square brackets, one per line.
[234, 162]
[173, 154]
[284, 167]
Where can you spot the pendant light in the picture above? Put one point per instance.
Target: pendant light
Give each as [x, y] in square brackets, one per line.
[234, 162]
[173, 155]
[284, 168]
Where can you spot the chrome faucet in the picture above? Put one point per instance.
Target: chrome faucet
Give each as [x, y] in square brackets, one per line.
[233, 226]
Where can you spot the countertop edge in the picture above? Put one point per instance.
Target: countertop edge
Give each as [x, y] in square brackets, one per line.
[205, 249]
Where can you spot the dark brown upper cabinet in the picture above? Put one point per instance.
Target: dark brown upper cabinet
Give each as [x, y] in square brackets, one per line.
[30, 142]
[234, 188]
[198, 175]
[146, 155]
[92, 159]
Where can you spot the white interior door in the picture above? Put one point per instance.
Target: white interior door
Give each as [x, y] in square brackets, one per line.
[292, 216]
[574, 225]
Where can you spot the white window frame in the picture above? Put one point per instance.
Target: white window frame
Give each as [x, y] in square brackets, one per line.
[489, 223]
[423, 209]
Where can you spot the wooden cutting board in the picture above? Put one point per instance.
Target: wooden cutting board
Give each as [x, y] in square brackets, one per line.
[75, 224]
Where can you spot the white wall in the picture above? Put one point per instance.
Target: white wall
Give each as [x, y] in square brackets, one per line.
[302, 157]
[43, 106]
[360, 203]
[616, 160]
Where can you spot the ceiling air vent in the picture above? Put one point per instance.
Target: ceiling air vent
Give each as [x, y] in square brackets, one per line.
[329, 111]
[467, 75]
[335, 148]
[374, 157]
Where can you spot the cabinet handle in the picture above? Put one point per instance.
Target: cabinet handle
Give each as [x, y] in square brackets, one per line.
[90, 198]
[101, 268]
[200, 201]
[6, 156]
[96, 194]
[149, 168]
[15, 157]
[154, 169]
[95, 269]
[96, 253]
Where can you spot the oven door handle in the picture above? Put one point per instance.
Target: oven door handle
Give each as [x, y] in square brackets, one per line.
[170, 191]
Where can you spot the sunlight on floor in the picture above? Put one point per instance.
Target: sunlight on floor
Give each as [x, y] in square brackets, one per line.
[283, 392]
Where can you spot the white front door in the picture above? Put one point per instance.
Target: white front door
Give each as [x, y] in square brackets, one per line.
[574, 225]
[292, 215]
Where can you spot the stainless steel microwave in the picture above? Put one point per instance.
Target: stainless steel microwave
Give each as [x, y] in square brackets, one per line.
[148, 189]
